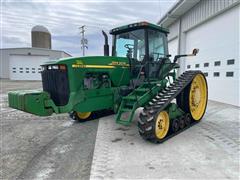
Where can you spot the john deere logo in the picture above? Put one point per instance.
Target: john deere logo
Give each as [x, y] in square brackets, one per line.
[117, 63]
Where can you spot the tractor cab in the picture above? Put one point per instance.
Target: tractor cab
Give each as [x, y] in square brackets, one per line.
[144, 44]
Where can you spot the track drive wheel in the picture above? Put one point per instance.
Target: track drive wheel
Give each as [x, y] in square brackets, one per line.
[154, 128]
[193, 99]
[80, 116]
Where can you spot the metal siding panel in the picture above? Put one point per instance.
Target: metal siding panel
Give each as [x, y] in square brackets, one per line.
[210, 7]
[203, 10]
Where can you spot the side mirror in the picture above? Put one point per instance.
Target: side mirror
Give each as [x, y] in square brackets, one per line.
[195, 51]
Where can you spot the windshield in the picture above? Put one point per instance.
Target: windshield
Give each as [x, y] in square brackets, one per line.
[131, 44]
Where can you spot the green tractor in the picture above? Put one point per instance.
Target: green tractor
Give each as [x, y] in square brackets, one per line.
[138, 74]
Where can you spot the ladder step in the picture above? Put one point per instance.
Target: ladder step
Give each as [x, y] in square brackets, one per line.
[160, 102]
[130, 98]
[126, 110]
[130, 103]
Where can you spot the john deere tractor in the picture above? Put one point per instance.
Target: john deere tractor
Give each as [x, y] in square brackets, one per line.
[139, 73]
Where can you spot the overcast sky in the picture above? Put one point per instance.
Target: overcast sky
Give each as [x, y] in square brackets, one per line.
[63, 17]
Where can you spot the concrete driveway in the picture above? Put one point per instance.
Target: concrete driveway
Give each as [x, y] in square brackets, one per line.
[208, 150]
[35, 147]
[57, 148]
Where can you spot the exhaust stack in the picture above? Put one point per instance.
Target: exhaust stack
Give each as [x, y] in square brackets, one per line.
[106, 46]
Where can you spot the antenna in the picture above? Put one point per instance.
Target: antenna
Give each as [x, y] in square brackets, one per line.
[84, 41]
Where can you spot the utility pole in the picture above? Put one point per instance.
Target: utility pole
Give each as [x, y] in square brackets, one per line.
[84, 41]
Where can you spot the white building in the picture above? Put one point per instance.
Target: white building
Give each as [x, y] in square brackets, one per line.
[24, 63]
[213, 26]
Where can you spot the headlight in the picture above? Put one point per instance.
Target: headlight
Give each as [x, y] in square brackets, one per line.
[55, 67]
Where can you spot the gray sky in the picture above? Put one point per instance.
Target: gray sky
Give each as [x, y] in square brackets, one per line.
[62, 18]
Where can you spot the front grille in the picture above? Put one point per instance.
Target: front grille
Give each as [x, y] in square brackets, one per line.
[55, 82]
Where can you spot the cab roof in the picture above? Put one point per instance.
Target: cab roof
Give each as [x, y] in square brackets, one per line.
[138, 25]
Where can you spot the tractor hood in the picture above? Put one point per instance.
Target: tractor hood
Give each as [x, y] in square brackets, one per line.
[65, 85]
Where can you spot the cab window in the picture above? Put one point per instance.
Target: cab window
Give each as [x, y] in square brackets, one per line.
[157, 44]
[131, 44]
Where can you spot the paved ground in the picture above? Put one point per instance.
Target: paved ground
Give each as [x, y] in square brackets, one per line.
[57, 148]
[208, 150]
[39, 148]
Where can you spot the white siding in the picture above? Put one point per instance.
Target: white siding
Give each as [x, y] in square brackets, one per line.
[204, 10]
[217, 43]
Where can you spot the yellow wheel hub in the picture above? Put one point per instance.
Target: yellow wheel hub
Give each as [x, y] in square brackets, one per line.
[83, 115]
[198, 97]
[162, 125]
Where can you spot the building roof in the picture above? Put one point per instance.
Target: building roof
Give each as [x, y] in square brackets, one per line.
[177, 10]
[34, 48]
[40, 28]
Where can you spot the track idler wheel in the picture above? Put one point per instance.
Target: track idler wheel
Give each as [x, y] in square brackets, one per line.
[154, 127]
[80, 116]
[87, 116]
[193, 99]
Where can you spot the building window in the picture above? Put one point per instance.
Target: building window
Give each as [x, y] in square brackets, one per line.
[14, 68]
[14, 71]
[39, 69]
[21, 71]
[27, 68]
[230, 61]
[229, 74]
[188, 66]
[27, 71]
[206, 64]
[33, 71]
[21, 68]
[205, 74]
[217, 63]
[196, 65]
[216, 74]
[33, 68]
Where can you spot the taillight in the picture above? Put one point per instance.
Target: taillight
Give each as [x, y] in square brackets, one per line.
[62, 67]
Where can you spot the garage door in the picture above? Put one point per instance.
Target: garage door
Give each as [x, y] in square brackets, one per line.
[26, 67]
[218, 41]
[173, 47]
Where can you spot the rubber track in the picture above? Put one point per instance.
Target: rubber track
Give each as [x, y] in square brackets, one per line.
[146, 123]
